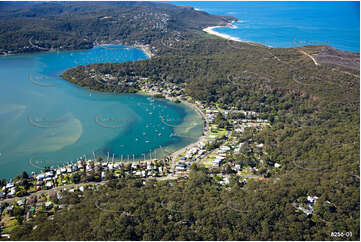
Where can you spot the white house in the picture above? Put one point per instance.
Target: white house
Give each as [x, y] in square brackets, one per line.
[49, 184]
[312, 199]
[49, 174]
[40, 177]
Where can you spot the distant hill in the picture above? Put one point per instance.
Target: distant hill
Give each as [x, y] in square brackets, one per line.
[34, 26]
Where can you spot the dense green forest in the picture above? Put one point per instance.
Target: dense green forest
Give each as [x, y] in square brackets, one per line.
[31, 27]
[315, 134]
[199, 209]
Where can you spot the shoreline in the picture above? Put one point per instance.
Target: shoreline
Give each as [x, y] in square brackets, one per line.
[145, 49]
[210, 30]
[200, 139]
[176, 153]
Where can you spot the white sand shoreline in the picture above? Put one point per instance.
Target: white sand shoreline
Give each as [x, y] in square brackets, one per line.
[210, 30]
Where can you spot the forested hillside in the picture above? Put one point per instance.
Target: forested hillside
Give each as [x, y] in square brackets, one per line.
[32, 27]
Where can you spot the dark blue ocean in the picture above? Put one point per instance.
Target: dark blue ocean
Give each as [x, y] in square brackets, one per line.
[277, 24]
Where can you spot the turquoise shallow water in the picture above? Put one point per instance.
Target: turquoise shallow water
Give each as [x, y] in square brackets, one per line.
[51, 121]
[277, 24]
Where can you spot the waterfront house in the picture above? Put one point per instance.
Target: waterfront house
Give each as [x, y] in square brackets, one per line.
[74, 167]
[9, 185]
[49, 174]
[40, 177]
[12, 192]
[181, 167]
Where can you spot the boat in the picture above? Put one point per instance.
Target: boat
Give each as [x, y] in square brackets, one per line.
[147, 141]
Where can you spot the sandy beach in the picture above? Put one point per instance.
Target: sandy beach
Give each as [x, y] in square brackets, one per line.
[146, 50]
[210, 30]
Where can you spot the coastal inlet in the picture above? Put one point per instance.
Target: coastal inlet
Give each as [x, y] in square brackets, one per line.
[46, 118]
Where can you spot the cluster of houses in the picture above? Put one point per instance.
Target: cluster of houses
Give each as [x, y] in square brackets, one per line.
[62, 176]
[211, 114]
[165, 88]
[45, 203]
[191, 156]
